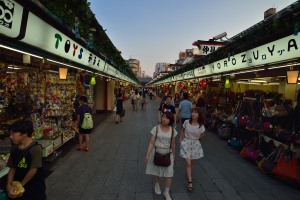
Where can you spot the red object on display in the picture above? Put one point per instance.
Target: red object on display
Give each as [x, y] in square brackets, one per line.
[203, 83]
[180, 84]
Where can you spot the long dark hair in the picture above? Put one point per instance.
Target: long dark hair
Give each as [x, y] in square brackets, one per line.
[200, 116]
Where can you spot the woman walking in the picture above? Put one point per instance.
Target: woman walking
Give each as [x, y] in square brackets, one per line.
[190, 146]
[120, 108]
[163, 141]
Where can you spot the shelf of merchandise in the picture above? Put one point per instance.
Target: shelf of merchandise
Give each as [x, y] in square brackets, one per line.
[51, 148]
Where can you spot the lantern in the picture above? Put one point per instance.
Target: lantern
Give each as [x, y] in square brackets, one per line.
[180, 84]
[227, 84]
[93, 79]
[203, 83]
[63, 73]
[292, 76]
[189, 84]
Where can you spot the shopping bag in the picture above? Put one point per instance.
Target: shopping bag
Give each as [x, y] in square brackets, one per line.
[115, 109]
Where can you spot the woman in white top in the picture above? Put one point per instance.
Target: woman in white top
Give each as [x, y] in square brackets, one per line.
[190, 146]
[160, 141]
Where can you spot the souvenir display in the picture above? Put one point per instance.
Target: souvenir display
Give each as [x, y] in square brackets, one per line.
[38, 95]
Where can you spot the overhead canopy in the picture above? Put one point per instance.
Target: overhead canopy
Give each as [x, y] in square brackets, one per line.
[259, 45]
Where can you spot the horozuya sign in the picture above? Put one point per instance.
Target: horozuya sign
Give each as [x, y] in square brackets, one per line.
[278, 50]
[38, 33]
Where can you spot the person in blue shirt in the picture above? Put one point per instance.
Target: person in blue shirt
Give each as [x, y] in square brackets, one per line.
[185, 107]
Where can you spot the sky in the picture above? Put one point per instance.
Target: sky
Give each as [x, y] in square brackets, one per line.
[153, 31]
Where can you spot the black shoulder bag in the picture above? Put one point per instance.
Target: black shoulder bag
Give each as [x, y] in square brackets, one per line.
[163, 160]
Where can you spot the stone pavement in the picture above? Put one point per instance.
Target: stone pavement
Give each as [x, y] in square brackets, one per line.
[114, 168]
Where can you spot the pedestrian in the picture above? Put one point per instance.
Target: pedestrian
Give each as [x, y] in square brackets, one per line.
[120, 107]
[200, 103]
[176, 100]
[144, 100]
[25, 164]
[163, 143]
[133, 100]
[190, 147]
[185, 107]
[82, 111]
[138, 97]
[151, 94]
[166, 106]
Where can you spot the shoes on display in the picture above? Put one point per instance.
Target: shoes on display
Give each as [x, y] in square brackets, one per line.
[157, 189]
[167, 196]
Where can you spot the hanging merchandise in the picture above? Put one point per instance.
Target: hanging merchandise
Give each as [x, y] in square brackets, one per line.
[189, 84]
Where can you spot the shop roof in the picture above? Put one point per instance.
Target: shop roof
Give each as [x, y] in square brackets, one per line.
[277, 26]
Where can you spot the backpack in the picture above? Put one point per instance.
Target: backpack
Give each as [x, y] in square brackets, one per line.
[87, 122]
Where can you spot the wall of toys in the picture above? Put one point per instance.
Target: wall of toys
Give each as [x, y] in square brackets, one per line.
[39, 95]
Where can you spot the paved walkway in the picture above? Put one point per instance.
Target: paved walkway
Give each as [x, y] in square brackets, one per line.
[114, 168]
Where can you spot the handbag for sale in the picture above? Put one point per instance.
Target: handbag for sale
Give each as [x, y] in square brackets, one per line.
[234, 142]
[242, 121]
[252, 154]
[268, 164]
[267, 126]
[163, 160]
[287, 166]
[249, 151]
[224, 131]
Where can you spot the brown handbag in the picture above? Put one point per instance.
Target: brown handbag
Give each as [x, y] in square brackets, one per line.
[163, 160]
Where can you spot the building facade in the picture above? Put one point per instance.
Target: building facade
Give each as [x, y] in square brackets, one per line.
[134, 66]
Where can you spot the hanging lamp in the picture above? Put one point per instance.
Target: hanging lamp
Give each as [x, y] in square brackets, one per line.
[227, 84]
[93, 79]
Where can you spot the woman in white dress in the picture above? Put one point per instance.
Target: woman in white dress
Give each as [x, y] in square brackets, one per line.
[161, 140]
[190, 146]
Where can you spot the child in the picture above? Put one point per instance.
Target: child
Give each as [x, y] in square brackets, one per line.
[25, 163]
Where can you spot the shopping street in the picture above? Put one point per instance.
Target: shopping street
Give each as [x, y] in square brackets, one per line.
[114, 168]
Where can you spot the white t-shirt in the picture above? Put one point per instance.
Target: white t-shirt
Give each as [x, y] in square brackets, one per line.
[133, 96]
[191, 131]
[163, 138]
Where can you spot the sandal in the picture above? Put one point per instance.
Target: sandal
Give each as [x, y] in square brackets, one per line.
[190, 186]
